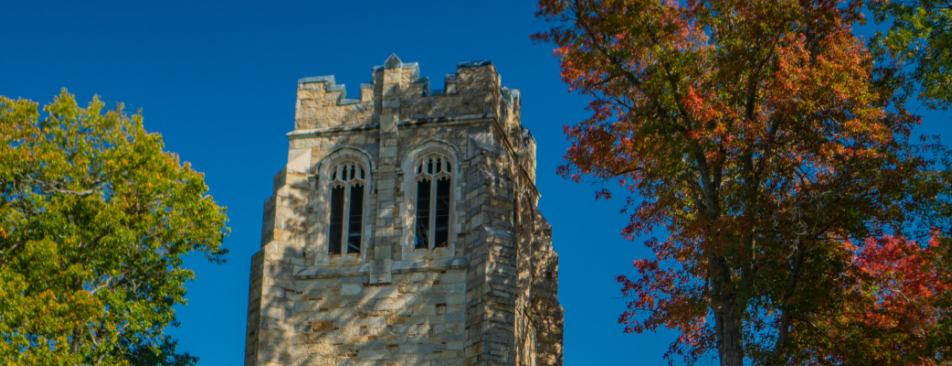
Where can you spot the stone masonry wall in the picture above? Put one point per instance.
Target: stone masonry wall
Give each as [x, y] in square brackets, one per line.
[490, 298]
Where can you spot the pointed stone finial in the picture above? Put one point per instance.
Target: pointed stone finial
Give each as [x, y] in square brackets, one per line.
[393, 62]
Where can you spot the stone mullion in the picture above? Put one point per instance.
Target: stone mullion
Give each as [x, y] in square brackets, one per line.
[431, 234]
[345, 224]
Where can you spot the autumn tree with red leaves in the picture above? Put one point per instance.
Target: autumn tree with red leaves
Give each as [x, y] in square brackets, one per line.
[774, 151]
[895, 311]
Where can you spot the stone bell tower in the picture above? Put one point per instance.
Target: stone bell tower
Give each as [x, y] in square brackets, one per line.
[405, 230]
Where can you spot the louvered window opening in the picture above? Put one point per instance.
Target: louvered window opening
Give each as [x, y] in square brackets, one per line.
[433, 177]
[347, 208]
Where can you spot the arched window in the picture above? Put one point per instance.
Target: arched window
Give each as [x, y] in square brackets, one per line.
[346, 184]
[431, 192]
[433, 178]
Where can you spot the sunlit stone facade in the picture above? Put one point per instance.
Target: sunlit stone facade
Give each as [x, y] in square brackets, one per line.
[405, 230]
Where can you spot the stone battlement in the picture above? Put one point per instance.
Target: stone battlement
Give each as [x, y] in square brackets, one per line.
[473, 89]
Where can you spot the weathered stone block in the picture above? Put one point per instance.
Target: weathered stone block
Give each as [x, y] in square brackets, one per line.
[324, 326]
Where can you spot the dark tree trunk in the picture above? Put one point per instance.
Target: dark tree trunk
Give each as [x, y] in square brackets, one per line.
[730, 335]
[76, 340]
[730, 338]
[728, 316]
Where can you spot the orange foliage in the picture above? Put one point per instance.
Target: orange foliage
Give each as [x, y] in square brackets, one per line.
[761, 137]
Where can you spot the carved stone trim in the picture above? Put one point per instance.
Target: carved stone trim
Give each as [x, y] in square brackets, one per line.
[380, 271]
[442, 264]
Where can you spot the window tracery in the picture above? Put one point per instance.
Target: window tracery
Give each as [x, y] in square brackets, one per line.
[347, 185]
[433, 178]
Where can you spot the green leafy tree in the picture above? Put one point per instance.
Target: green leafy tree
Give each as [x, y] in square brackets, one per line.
[95, 220]
[918, 43]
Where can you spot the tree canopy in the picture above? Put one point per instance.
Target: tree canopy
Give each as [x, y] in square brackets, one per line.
[95, 220]
[776, 156]
[918, 46]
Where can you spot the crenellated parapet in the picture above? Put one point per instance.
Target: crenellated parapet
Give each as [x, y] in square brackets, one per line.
[322, 103]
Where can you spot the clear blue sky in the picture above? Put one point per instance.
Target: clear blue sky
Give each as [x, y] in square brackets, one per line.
[218, 82]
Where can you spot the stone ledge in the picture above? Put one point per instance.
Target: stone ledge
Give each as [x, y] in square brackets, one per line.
[296, 134]
[465, 117]
[309, 273]
[319, 131]
[432, 265]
